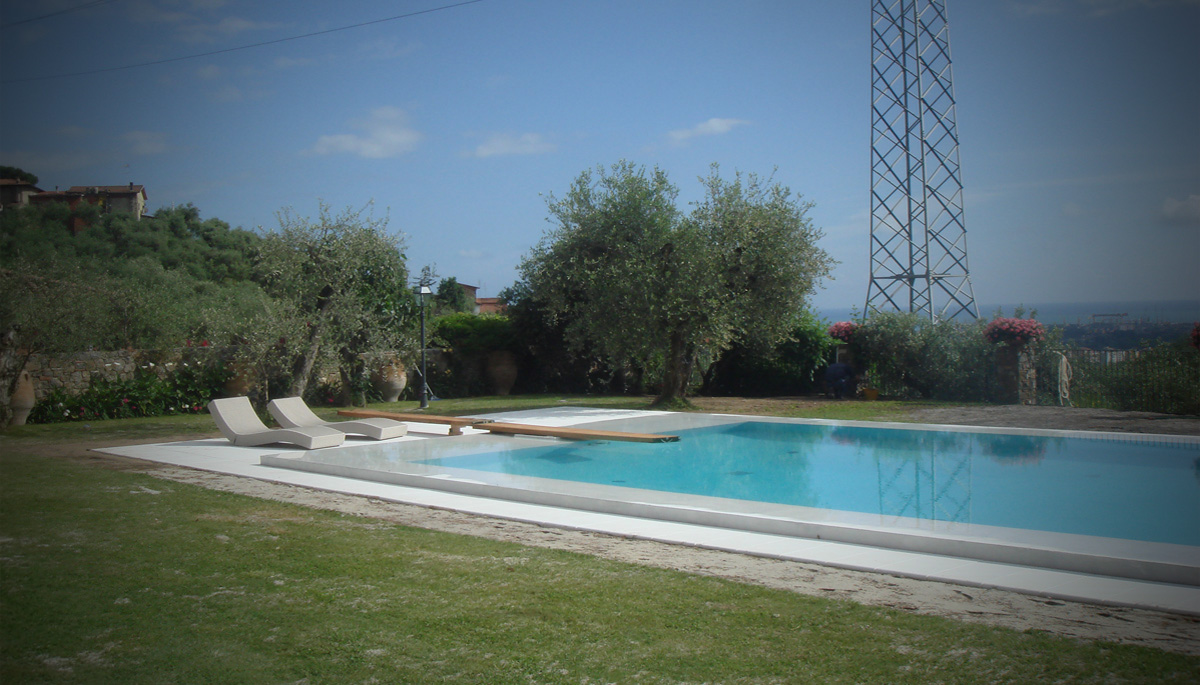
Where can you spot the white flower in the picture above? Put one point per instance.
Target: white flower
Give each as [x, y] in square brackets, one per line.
[66, 413]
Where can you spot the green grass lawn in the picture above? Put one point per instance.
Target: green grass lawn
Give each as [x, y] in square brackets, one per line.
[114, 576]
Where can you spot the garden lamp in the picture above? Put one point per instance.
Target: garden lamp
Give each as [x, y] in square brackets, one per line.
[423, 294]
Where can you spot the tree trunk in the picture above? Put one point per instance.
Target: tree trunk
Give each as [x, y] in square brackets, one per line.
[353, 373]
[11, 364]
[303, 367]
[676, 370]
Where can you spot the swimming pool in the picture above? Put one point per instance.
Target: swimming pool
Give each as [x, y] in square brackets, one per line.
[1119, 505]
[1068, 485]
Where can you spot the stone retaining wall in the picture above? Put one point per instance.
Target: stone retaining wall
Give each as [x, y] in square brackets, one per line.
[73, 373]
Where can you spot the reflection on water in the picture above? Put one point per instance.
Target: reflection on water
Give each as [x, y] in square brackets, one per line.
[1112, 488]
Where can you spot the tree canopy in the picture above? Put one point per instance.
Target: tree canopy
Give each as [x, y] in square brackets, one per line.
[452, 298]
[343, 281]
[175, 237]
[631, 276]
[18, 174]
[327, 292]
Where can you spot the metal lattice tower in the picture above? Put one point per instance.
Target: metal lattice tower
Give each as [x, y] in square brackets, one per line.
[918, 238]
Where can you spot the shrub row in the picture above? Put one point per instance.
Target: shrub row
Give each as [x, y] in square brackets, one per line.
[186, 391]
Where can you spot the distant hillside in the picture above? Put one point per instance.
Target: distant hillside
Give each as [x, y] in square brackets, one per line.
[1127, 336]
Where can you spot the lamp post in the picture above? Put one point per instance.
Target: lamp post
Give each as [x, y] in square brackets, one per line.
[423, 293]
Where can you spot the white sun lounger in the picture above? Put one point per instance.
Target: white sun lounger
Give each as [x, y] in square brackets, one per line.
[236, 418]
[294, 413]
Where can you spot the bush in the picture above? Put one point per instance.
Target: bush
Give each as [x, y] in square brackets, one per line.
[906, 355]
[186, 391]
[468, 339]
[1164, 379]
[791, 368]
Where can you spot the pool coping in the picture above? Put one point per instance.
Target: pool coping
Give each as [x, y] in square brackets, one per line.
[1148, 561]
[220, 456]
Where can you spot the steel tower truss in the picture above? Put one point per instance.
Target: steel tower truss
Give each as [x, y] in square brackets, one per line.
[918, 238]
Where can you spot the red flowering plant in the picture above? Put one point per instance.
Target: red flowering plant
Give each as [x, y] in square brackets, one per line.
[1015, 332]
[842, 330]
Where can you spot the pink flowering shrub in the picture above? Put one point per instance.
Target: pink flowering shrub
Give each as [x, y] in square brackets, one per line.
[842, 330]
[1014, 332]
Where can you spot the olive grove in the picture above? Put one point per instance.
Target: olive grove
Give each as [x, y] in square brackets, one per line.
[627, 274]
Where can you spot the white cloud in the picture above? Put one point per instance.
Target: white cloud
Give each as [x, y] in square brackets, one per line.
[209, 72]
[289, 62]
[385, 134]
[712, 127]
[73, 131]
[388, 49]
[41, 162]
[509, 144]
[191, 27]
[145, 142]
[227, 94]
[1186, 212]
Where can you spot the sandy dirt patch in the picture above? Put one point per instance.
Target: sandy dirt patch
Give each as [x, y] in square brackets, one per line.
[1172, 632]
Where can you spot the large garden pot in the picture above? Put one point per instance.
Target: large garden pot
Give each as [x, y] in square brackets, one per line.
[388, 379]
[22, 400]
[502, 371]
[241, 376]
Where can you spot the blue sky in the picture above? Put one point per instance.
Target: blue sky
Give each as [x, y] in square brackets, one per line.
[1079, 121]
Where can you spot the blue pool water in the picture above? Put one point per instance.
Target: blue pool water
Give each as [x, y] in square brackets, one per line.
[1101, 487]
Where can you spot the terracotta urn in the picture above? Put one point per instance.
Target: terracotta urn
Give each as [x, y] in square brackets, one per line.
[388, 379]
[502, 371]
[240, 379]
[22, 400]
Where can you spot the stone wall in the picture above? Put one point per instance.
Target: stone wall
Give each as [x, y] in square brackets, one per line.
[1016, 375]
[73, 373]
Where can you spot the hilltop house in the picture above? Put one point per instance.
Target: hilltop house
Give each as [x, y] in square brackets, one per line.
[130, 198]
[483, 305]
[16, 193]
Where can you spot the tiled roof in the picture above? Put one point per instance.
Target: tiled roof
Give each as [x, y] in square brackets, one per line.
[112, 190]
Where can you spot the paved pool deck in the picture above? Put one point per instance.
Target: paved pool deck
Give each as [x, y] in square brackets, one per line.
[219, 456]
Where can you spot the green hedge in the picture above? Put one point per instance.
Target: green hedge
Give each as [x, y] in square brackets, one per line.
[187, 390]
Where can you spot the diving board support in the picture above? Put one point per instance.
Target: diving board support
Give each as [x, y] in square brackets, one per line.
[574, 433]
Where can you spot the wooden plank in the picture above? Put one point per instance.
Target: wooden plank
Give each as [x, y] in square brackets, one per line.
[456, 423]
[574, 433]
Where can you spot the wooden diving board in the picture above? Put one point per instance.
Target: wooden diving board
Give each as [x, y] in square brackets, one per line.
[456, 423]
[573, 433]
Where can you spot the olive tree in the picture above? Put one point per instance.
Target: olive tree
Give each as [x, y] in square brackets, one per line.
[343, 280]
[631, 276]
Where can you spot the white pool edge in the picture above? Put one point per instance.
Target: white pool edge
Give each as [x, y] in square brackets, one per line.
[219, 456]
